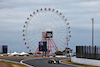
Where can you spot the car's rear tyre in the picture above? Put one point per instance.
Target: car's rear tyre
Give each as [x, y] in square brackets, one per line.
[57, 62]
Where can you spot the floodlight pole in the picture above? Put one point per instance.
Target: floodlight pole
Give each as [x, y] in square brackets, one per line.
[92, 33]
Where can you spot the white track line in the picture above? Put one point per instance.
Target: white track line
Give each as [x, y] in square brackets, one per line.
[25, 63]
[17, 62]
[28, 59]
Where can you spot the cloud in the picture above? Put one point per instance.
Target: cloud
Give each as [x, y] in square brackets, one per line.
[86, 26]
[95, 3]
[13, 14]
[22, 3]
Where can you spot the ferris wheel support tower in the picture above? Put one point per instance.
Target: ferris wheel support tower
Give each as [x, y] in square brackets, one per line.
[48, 37]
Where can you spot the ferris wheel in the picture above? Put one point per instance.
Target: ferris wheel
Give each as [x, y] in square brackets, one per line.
[44, 20]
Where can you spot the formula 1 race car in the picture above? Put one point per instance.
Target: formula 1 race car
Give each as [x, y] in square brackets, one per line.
[53, 61]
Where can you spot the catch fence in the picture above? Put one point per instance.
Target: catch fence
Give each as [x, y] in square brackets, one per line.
[88, 52]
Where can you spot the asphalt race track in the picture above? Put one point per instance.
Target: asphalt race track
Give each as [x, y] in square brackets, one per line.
[43, 62]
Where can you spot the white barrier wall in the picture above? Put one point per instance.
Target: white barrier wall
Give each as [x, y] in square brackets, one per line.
[85, 61]
[60, 56]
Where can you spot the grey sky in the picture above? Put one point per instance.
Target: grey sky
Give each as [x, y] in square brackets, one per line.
[13, 14]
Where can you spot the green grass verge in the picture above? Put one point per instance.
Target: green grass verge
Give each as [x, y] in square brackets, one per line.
[69, 62]
[12, 63]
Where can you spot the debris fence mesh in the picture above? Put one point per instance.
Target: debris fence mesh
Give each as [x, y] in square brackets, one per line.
[88, 52]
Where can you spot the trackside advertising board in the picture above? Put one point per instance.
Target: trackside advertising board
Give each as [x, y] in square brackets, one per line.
[43, 46]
